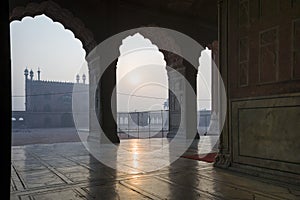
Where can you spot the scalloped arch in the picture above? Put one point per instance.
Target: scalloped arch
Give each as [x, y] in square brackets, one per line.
[171, 59]
[61, 15]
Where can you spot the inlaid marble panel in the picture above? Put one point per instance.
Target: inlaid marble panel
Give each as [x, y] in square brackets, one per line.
[268, 55]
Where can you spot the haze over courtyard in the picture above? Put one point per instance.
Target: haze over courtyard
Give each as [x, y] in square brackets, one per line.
[40, 43]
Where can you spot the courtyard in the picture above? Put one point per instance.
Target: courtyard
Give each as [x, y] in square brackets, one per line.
[68, 171]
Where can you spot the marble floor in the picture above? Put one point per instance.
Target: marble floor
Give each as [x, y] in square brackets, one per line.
[68, 171]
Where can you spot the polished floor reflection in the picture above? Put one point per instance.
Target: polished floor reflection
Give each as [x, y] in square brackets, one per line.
[68, 171]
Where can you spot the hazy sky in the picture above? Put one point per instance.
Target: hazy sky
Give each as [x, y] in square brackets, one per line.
[141, 73]
[41, 43]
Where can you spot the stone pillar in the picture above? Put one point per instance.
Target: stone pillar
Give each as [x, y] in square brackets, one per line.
[223, 158]
[94, 98]
[174, 103]
[182, 101]
[102, 102]
[108, 103]
[214, 126]
[191, 101]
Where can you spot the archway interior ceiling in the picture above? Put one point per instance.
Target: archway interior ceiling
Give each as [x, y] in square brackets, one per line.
[200, 9]
[101, 20]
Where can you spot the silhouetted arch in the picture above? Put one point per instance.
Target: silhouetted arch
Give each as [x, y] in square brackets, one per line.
[57, 14]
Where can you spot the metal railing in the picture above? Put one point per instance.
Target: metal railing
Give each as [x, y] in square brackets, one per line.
[146, 124]
[153, 124]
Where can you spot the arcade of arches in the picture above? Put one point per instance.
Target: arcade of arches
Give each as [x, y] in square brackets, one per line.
[255, 45]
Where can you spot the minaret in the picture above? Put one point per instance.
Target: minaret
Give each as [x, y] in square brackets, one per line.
[31, 75]
[26, 73]
[77, 78]
[26, 89]
[83, 78]
[39, 74]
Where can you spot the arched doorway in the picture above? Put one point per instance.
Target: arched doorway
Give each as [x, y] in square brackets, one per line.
[45, 98]
[142, 88]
